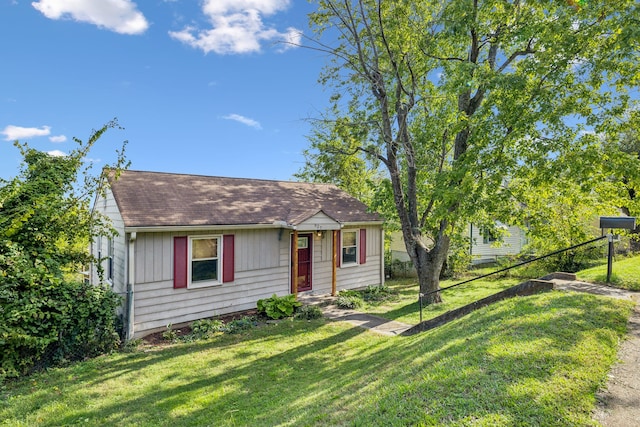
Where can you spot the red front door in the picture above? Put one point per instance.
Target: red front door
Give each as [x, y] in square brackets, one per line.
[304, 262]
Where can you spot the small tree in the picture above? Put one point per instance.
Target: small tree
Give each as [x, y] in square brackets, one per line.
[46, 225]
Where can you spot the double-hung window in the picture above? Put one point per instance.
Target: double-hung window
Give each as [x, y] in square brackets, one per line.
[349, 247]
[488, 236]
[110, 254]
[204, 256]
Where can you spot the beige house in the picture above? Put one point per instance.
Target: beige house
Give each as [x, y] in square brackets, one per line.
[191, 247]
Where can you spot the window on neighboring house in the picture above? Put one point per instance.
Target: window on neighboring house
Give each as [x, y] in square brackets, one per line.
[488, 236]
[493, 235]
[99, 247]
[110, 252]
[204, 260]
[349, 247]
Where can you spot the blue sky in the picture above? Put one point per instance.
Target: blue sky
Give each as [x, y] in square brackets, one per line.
[200, 87]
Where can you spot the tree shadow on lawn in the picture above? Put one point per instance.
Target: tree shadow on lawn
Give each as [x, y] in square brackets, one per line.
[482, 368]
[412, 309]
[515, 363]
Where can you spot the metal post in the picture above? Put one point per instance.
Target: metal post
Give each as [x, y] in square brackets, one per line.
[610, 257]
[420, 300]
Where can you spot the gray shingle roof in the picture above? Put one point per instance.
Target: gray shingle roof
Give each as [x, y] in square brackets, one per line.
[151, 199]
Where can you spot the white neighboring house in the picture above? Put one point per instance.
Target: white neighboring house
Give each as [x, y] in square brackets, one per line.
[487, 248]
[191, 247]
[484, 247]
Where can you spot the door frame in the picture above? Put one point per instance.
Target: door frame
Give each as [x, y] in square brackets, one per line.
[309, 237]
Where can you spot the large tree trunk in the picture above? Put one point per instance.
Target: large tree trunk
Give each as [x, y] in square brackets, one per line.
[428, 263]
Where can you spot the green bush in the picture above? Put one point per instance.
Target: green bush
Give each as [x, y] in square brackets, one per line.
[349, 293]
[46, 224]
[239, 325]
[50, 323]
[170, 334]
[278, 307]
[308, 312]
[349, 301]
[377, 293]
[206, 328]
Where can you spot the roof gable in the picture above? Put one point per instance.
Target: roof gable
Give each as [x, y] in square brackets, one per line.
[152, 199]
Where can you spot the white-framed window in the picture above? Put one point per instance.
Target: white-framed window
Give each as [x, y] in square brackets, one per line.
[205, 256]
[350, 250]
[110, 254]
[491, 236]
[488, 236]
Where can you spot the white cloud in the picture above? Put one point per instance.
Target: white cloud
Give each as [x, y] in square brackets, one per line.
[237, 27]
[18, 132]
[58, 138]
[120, 16]
[56, 153]
[244, 120]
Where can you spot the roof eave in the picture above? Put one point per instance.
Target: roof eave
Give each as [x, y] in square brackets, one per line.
[205, 227]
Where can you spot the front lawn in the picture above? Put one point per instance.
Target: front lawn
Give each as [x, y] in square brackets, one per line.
[625, 273]
[404, 307]
[525, 361]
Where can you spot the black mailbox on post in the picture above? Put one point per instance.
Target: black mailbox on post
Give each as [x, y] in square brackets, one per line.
[626, 222]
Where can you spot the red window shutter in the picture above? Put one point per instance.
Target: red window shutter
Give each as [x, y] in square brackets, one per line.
[228, 262]
[338, 249]
[180, 261]
[363, 245]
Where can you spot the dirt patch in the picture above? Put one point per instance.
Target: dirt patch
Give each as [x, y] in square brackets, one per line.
[619, 402]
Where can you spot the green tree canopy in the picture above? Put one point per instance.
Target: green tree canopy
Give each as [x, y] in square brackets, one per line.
[455, 99]
[46, 224]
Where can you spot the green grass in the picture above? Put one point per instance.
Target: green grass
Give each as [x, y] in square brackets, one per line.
[525, 361]
[625, 273]
[405, 307]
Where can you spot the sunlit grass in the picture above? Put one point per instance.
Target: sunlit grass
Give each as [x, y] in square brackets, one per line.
[525, 361]
[406, 308]
[625, 273]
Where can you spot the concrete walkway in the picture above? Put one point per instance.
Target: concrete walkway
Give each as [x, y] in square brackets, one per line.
[375, 324]
[619, 403]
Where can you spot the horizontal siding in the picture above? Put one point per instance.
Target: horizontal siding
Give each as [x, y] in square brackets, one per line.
[254, 250]
[107, 206]
[157, 304]
[511, 244]
[262, 261]
[360, 276]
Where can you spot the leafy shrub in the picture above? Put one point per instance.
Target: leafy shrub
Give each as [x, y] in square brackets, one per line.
[49, 322]
[377, 293]
[239, 325]
[46, 224]
[131, 345]
[349, 301]
[349, 293]
[308, 312]
[278, 307]
[170, 334]
[205, 328]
